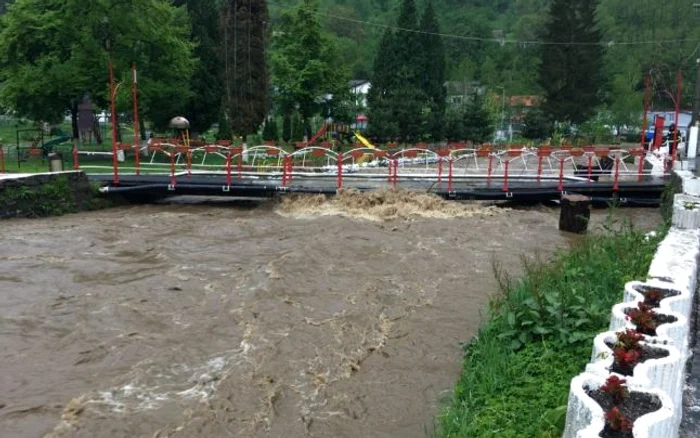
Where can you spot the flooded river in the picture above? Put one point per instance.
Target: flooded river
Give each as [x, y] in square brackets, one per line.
[180, 320]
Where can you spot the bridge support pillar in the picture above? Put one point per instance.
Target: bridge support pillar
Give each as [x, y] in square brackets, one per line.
[575, 213]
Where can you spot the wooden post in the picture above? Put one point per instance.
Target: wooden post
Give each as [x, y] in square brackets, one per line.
[575, 213]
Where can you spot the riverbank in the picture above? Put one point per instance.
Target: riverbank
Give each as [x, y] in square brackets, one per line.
[48, 194]
[517, 372]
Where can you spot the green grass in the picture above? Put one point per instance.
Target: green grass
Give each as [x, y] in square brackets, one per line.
[516, 373]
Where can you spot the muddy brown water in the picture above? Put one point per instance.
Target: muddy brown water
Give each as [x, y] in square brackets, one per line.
[220, 321]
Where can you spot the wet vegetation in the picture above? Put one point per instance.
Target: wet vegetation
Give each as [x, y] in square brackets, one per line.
[538, 334]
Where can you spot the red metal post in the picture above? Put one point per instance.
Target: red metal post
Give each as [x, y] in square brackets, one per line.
[505, 179]
[391, 171]
[113, 105]
[439, 170]
[76, 159]
[647, 97]
[539, 168]
[172, 168]
[396, 173]
[284, 171]
[340, 170]
[641, 166]
[488, 179]
[616, 184]
[561, 175]
[590, 166]
[137, 138]
[189, 162]
[679, 89]
[449, 175]
[228, 169]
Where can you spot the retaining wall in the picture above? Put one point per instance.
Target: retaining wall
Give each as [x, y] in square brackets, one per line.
[674, 267]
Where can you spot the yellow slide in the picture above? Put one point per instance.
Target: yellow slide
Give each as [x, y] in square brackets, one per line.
[367, 144]
[364, 141]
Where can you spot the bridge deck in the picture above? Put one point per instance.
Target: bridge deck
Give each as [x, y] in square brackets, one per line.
[523, 189]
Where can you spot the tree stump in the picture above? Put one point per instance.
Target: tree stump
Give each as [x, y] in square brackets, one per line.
[575, 213]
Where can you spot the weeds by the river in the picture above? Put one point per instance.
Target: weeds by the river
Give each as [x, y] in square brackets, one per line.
[516, 374]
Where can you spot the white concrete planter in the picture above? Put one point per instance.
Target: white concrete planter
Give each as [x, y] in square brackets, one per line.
[686, 212]
[665, 373]
[676, 260]
[681, 303]
[691, 183]
[674, 332]
[586, 419]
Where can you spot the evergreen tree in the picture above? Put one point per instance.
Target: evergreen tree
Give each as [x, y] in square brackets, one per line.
[203, 107]
[382, 123]
[408, 97]
[477, 124]
[434, 72]
[287, 128]
[245, 69]
[270, 130]
[571, 74]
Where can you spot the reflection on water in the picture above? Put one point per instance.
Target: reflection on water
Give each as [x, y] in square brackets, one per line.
[190, 320]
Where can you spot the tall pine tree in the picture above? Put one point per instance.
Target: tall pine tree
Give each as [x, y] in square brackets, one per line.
[203, 108]
[245, 70]
[383, 125]
[570, 74]
[434, 72]
[397, 98]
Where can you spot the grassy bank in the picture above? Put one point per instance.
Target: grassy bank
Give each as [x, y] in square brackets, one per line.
[538, 336]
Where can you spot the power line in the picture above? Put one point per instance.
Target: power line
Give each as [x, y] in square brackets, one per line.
[490, 40]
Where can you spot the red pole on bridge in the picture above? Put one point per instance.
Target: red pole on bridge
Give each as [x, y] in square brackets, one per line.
[228, 169]
[647, 97]
[505, 179]
[561, 175]
[679, 88]
[539, 168]
[488, 179]
[137, 138]
[449, 175]
[172, 168]
[641, 165]
[340, 170]
[76, 158]
[616, 184]
[112, 98]
[590, 166]
[440, 170]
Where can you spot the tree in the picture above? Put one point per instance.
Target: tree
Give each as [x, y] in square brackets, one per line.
[477, 123]
[304, 64]
[570, 74]
[382, 122]
[287, 128]
[270, 130]
[536, 126]
[433, 72]
[53, 52]
[202, 109]
[246, 80]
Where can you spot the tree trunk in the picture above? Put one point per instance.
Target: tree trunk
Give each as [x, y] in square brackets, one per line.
[74, 124]
[575, 213]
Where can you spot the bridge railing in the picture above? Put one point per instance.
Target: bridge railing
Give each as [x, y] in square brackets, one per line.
[440, 165]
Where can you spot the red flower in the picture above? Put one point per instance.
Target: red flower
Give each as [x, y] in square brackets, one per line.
[626, 360]
[617, 421]
[643, 318]
[616, 388]
[629, 339]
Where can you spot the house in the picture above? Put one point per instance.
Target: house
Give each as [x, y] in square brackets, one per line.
[360, 89]
[459, 93]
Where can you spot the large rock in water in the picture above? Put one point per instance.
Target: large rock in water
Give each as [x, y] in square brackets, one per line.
[575, 213]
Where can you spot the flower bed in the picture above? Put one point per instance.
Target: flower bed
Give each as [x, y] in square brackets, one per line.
[598, 409]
